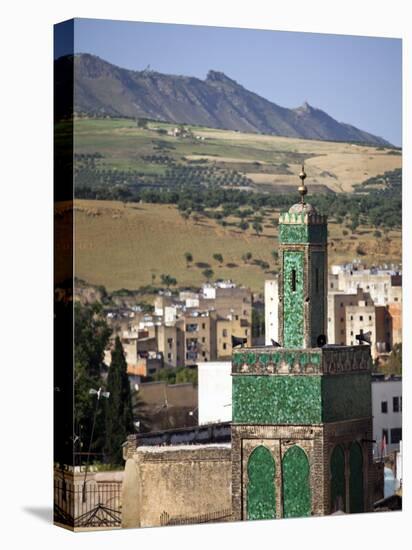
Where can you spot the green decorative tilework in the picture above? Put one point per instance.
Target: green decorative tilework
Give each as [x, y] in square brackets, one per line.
[276, 399]
[337, 480]
[291, 233]
[293, 299]
[261, 501]
[302, 233]
[300, 399]
[296, 488]
[346, 396]
[256, 362]
[317, 310]
[355, 479]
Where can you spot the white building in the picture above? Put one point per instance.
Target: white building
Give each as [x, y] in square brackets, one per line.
[387, 413]
[214, 392]
[271, 311]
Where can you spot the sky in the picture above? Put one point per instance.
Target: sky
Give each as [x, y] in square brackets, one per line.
[357, 80]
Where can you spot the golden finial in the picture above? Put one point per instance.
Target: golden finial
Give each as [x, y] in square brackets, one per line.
[302, 187]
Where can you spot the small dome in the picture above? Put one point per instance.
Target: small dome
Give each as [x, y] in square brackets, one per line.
[300, 208]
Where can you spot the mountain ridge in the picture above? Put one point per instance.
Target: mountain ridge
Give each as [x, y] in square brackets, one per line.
[218, 101]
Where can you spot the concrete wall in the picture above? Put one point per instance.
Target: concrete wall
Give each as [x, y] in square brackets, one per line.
[177, 485]
[214, 392]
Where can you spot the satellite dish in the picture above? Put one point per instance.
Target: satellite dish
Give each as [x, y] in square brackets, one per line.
[364, 337]
[321, 340]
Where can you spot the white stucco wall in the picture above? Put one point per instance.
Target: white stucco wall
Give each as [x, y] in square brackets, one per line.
[214, 392]
[271, 311]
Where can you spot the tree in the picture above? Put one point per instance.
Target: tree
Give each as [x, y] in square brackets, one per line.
[208, 274]
[394, 365]
[188, 258]
[91, 335]
[257, 226]
[218, 258]
[247, 257]
[167, 280]
[141, 123]
[243, 226]
[119, 412]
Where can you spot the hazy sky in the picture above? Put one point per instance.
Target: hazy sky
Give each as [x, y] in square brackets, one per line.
[357, 80]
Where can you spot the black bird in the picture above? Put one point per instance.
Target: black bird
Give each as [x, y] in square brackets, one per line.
[238, 342]
[275, 344]
[364, 337]
[321, 341]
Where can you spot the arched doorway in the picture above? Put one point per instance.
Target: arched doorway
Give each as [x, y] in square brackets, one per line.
[337, 480]
[261, 503]
[296, 487]
[355, 479]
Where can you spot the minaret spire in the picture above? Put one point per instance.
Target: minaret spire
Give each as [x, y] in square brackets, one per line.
[302, 187]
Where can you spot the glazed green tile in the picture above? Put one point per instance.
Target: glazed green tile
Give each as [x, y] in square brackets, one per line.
[355, 479]
[293, 300]
[296, 486]
[279, 399]
[261, 498]
[337, 480]
[346, 396]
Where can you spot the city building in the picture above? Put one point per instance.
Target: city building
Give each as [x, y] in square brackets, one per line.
[387, 414]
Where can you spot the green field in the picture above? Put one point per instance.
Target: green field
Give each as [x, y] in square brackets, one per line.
[270, 163]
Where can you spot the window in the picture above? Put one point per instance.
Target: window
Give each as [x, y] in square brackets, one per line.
[237, 317]
[169, 356]
[351, 332]
[396, 435]
[342, 319]
[385, 436]
[370, 317]
[384, 407]
[224, 333]
[293, 280]
[331, 285]
[341, 304]
[351, 317]
[396, 299]
[360, 317]
[203, 339]
[203, 325]
[224, 345]
[395, 403]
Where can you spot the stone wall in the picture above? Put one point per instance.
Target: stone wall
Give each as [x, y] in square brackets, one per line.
[177, 485]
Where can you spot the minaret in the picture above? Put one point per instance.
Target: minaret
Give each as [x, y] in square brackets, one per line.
[303, 274]
[301, 413]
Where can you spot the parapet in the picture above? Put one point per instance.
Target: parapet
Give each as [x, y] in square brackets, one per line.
[270, 360]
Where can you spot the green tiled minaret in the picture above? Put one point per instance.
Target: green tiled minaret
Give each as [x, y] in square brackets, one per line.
[303, 275]
[301, 411]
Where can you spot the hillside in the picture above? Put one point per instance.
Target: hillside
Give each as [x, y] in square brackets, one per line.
[121, 245]
[103, 89]
[112, 152]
